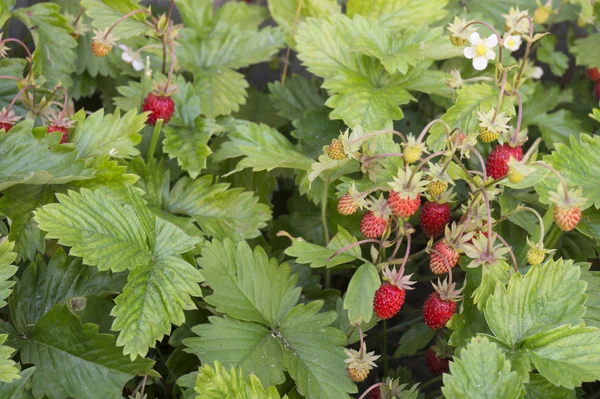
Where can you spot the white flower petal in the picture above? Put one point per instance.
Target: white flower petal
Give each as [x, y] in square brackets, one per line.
[469, 52]
[538, 72]
[125, 56]
[490, 55]
[480, 63]
[475, 39]
[138, 65]
[491, 41]
[123, 47]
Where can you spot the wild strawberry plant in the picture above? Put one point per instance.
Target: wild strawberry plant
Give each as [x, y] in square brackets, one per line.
[408, 207]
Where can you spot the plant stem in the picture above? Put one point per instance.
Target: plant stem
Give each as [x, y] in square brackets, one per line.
[324, 198]
[81, 11]
[378, 132]
[123, 18]
[557, 174]
[385, 356]
[502, 85]
[512, 255]
[478, 155]
[420, 165]
[170, 10]
[289, 48]
[154, 140]
[379, 384]
[431, 382]
[430, 125]
[519, 117]
[172, 68]
[527, 50]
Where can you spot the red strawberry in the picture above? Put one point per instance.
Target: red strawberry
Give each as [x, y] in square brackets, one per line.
[597, 90]
[160, 107]
[435, 364]
[436, 261]
[403, 207]
[6, 126]
[438, 311]
[497, 162]
[434, 217]
[388, 300]
[567, 218]
[62, 129]
[372, 226]
[375, 394]
[593, 74]
[347, 205]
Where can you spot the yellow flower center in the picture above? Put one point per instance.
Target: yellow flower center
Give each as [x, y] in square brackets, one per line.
[511, 43]
[480, 50]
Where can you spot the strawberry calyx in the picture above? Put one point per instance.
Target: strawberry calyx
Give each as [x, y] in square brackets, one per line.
[8, 118]
[448, 291]
[397, 278]
[360, 361]
[408, 184]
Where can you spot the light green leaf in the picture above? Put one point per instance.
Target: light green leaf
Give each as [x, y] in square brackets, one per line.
[236, 343]
[100, 134]
[18, 389]
[399, 14]
[246, 284]
[316, 255]
[8, 87]
[558, 127]
[297, 96]
[566, 355]
[104, 13]
[585, 50]
[189, 143]
[53, 57]
[493, 9]
[342, 322]
[59, 345]
[7, 269]
[481, 372]
[263, 148]
[220, 211]
[220, 383]
[540, 388]
[221, 90]
[415, 339]
[196, 13]
[361, 290]
[556, 60]
[592, 278]
[8, 368]
[36, 158]
[284, 11]
[313, 354]
[548, 296]
[491, 275]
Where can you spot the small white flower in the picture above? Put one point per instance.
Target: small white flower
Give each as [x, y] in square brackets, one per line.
[511, 42]
[113, 151]
[481, 50]
[132, 57]
[537, 73]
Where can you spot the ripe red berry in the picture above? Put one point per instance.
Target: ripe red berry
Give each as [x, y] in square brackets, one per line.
[160, 107]
[388, 300]
[435, 364]
[434, 217]
[597, 90]
[62, 129]
[6, 126]
[375, 394]
[497, 162]
[437, 311]
[403, 207]
[371, 225]
[567, 218]
[436, 261]
[593, 74]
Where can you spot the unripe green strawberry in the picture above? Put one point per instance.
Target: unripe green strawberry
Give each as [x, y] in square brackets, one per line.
[336, 150]
[486, 135]
[358, 375]
[436, 188]
[535, 256]
[457, 41]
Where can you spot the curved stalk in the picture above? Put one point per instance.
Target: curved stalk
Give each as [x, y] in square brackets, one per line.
[123, 18]
[483, 170]
[527, 50]
[420, 165]
[378, 132]
[289, 48]
[557, 174]
[430, 125]
[379, 384]
[502, 85]
[512, 255]
[441, 255]
[354, 244]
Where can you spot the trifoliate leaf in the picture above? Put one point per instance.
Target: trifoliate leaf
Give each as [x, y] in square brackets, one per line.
[416, 338]
[482, 372]
[60, 344]
[100, 134]
[104, 13]
[547, 296]
[361, 290]
[263, 148]
[313, 354]
[284, 12]
[540, 388]
[566, 355]
[247, 284]
[317, 256]
[20, 388]
[189, 143]
[220, 383]
[463, 114]
[236, 343]
[8, 369]
[53, 57]
[36, 158]
[221, 90]
[399, 14]
[220, 211]
[43, 286]
[578, 165]
[585, 51]
[491, 275]
[297, 96]
[18, 203]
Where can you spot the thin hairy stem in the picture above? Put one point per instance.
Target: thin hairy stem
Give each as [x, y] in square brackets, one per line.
[502, 85]
[379, 384]
[519, 117]
[527, 50]
[478, 155]
[430, 125]
[557, 174]
[289, 48]
[378, 132]
[512, 255]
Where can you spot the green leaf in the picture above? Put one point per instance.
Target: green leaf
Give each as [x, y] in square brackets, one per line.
[317, 256]
[342, 322]
[8, 369]
[111, 134]
[18, 389]
[540, 388]
[592, 278]
[585, 51]
[415, 339]
[361, 290]
[36, 158]
[399, 14]
[221, 90]
[60, 345]
[104, 13]
[53, 58]
[548, 296]
[284, 11]
[43, 286]
[239, 344]
[578, 165]
[482, 371]
[558, 127]
[463, 114]
[189, 143]
[491, 275]
[557, 61]
[297, 96]
[493, 9]
[566, 355]
[246, 284]
[315, 130]
[7, 269]
[263, 148]
[8, 87]
[220, 383]
[220, 211]
[313, 354]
